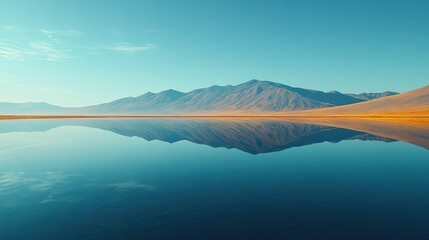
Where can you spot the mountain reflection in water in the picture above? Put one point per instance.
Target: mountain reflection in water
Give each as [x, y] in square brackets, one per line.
[250, 135]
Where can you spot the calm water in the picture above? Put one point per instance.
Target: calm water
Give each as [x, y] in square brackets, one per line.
[201, 179]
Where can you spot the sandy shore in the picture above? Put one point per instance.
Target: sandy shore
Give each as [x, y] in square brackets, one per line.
[372, 116]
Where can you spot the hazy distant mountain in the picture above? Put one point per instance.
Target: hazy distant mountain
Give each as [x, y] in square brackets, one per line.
[370, 96]
[29, 108]
[252, 96]
[148, 102]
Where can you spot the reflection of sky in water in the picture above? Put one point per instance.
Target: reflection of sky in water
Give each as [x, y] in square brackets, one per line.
[20, 144]
[85, 183]
[20, 188]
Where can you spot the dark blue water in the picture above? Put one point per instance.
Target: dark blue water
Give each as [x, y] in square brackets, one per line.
[203, 180]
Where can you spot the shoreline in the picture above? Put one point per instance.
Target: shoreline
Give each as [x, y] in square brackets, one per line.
[376, 116]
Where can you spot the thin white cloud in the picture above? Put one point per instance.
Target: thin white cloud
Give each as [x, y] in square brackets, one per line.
[52, 47]
[56, 45]
[64, 33]
[129, 48]
[12, 52]
[49, 52]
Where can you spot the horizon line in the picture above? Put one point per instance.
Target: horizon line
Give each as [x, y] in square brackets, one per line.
[349, 116]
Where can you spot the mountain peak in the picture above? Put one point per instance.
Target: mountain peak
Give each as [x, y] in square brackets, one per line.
[256, 82]
[253, 81]
[171, 92]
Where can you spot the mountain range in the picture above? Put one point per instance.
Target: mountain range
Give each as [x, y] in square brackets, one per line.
[249, 97]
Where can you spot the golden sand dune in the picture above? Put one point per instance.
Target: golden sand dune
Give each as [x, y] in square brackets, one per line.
[413, 103]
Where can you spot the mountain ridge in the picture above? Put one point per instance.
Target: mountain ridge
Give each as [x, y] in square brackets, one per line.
[250, 96]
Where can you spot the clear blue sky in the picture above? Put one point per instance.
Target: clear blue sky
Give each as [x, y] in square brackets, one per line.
[80, 52]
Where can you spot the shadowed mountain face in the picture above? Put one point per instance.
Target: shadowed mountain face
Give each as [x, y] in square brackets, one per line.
[259, 136]
[252, 96]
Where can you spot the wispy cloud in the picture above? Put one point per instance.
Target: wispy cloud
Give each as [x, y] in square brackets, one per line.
[64, 33]
[58, 45]
[13, 52]
[129, 48]
[50, 52]
[53, 45]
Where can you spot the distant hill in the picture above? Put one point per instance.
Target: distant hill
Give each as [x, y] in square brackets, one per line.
[249, 97]
[30, 108]
[371, 96]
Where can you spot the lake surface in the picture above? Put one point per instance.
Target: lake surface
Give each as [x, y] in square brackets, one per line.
[212, 179]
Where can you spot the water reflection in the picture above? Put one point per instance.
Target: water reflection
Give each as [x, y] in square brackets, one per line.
[82, 183]
[250, 135]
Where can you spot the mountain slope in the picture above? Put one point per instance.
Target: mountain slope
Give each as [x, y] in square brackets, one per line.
[147, 102]
[414, 102]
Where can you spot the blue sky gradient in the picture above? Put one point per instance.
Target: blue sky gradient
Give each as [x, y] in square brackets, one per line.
[75, 53]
